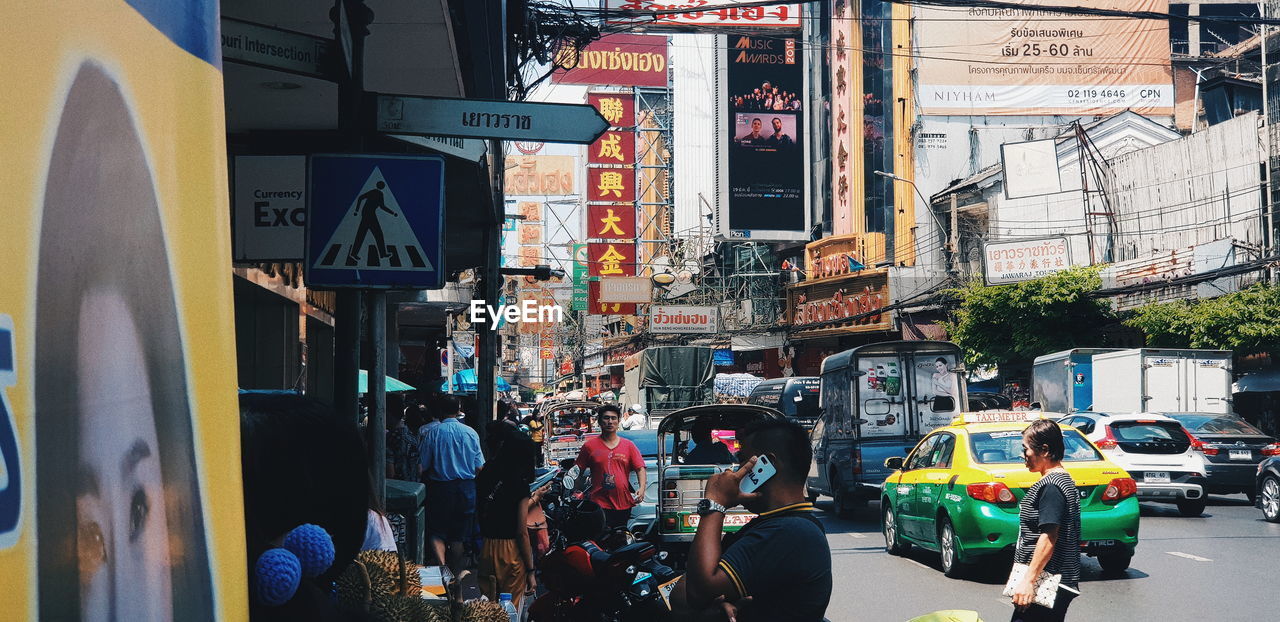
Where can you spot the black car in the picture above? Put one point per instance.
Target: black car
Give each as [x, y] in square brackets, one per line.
[1231, 448]
[1268, 490]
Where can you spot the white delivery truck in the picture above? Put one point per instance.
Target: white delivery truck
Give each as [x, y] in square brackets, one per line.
[1156, 380]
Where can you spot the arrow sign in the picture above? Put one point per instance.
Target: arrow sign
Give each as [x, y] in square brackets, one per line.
[579, 124]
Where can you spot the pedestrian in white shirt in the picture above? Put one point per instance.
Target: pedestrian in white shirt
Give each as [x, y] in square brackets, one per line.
[636, 419]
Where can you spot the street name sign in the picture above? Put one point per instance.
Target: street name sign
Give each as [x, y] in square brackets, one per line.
[579, 124]
[468, 149]
[264, 46]
[375, 221]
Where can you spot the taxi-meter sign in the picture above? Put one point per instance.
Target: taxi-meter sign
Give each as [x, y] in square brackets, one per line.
[375, 221]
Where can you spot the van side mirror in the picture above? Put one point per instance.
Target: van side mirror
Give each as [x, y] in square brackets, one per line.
[894, 463]
[943, 404]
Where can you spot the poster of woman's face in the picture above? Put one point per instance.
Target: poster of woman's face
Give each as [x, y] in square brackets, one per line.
[118, 507]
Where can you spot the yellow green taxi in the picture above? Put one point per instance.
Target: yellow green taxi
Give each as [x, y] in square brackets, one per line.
[958, 491]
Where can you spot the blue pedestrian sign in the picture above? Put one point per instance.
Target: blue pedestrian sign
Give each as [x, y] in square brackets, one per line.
[375, 221]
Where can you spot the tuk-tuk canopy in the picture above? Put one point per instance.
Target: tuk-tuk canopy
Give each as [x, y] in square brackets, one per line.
[722, 417]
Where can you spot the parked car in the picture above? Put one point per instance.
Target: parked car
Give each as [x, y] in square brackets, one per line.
[1268, 489]
[1155, 449]
[643, 515]
[958, 491]
[1231, 448]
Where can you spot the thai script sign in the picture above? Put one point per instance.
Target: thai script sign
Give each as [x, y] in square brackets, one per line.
[597, 307]
[637, 289]
[841, 306]
[655, 16]
[616, 60]
[683, 319]
[539, 175]
[1028, 61]
[834, 256]
[1011, 262]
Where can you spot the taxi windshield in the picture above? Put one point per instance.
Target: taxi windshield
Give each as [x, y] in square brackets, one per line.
[1005, 447]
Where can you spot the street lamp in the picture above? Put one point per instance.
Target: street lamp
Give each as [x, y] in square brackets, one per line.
[927, 204]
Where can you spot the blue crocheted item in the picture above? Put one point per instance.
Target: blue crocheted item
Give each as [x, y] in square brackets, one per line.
[276, 577]
[313, 546]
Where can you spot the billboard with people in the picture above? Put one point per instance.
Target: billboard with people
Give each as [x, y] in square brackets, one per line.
[117, 438]
[765, 150]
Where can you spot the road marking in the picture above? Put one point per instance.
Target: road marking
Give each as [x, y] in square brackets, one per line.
[858, 535]
[1189, 556]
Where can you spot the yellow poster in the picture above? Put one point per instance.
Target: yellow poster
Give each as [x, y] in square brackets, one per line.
[1028, 61]
[120, 490]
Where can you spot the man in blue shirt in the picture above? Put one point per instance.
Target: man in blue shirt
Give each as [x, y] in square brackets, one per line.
[449, 457]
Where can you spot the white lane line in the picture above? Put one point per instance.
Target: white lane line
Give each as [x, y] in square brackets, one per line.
[858, 535]
[1189, 556]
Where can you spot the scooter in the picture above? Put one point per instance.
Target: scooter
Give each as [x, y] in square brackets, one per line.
[596, 575]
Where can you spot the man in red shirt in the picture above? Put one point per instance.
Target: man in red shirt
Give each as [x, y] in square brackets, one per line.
[611, 460]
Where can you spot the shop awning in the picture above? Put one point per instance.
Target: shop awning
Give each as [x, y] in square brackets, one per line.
[393, 385]
[465, 382]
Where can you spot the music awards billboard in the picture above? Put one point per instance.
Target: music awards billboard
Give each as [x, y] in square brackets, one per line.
[762, 156]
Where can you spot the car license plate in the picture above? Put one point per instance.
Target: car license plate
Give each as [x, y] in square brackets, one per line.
[1156, 477]
[1241, 454]
[730, 520]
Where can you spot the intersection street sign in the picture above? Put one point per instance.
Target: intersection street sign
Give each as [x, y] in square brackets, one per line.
[375, 221]
[477, 118]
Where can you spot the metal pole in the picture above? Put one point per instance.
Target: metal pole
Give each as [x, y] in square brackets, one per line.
[349, 26]
[376, 430]
[490, 282]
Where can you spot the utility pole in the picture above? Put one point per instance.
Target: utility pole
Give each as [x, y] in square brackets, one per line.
[1268, 143]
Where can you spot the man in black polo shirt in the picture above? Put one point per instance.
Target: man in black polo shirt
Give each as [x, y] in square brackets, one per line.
[778, 567]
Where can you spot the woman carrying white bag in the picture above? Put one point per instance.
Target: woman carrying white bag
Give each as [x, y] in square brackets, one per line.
[1048, 533]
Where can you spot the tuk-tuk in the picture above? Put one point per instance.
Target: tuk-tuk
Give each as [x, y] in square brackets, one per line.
[568, 425]
[681, 485]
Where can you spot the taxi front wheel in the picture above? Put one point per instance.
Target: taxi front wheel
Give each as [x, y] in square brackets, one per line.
[892, 544]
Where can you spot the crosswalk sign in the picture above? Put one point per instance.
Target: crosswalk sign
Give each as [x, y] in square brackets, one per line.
[375, 221]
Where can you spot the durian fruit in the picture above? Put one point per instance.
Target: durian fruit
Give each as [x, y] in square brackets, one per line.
[396, 567]
[405, 609]
[483, 611]
[361, 584]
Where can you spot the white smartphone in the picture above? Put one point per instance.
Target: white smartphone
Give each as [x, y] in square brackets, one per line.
[759, 474]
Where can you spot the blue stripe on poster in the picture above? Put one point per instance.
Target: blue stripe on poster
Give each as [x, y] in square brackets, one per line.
[191, 24]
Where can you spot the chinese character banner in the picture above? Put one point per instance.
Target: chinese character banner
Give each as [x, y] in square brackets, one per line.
[612, 258]
[611, 222]
[611, 185]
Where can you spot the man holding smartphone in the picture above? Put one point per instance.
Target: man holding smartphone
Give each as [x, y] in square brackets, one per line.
[611, 460]
[778, 566]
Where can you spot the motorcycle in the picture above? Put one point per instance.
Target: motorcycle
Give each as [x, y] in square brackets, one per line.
[597, 575]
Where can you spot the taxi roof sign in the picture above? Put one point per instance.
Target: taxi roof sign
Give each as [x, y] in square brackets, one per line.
[999, 416]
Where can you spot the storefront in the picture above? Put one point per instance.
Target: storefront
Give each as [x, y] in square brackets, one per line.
[837, 307]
